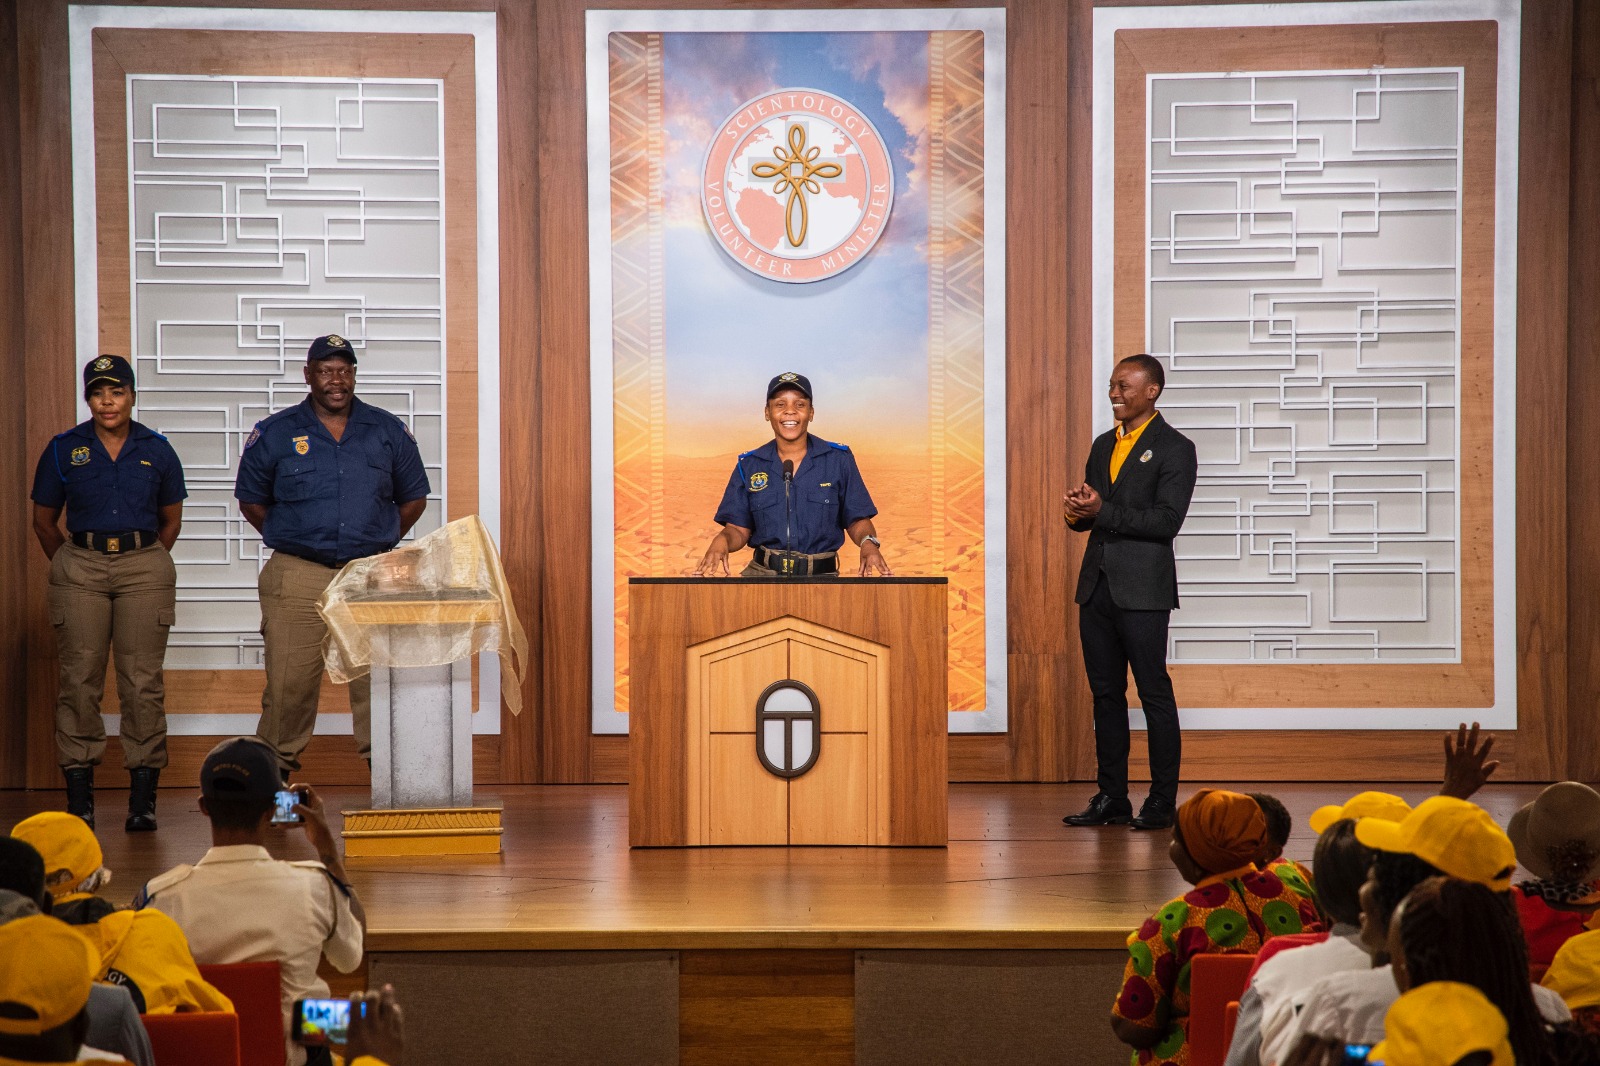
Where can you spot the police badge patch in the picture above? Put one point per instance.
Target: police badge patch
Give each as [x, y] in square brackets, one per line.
[255, 435]
[102, 363]
[758, 481]
[302, 445]
[1147, 456]
[80, 455]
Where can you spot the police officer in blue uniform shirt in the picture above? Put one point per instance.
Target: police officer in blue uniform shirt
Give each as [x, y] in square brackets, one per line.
[113, 585]
[794, 499]
[326, 481]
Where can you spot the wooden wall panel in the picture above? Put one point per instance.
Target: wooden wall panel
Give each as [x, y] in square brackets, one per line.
[45, 404]
[16, 471]
[1541, 505]
[1583, 401]
[522, 543]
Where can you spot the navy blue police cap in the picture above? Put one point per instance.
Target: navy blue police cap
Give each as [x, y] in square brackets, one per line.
[789, 380]
[330, 347]
[106, 370]
[245, 766]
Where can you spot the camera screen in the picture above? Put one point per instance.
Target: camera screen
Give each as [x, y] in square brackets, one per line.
[322, 1021]
[284, 804]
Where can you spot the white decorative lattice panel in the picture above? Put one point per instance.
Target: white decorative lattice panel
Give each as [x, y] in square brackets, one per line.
[1304, 264]
[266, 212]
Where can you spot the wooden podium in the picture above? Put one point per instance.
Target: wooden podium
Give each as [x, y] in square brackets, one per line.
[792, 711]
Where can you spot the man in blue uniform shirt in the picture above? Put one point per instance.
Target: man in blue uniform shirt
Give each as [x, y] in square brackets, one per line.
[794, 499]
[329, 480]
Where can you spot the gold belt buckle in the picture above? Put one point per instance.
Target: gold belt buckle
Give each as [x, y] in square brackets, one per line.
[113, 545]
[788, 564]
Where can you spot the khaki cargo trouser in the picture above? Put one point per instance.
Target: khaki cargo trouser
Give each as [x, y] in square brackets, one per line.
[119, 604]
[293, 633]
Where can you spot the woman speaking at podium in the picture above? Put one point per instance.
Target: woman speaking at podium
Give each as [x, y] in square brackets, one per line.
[794, 499]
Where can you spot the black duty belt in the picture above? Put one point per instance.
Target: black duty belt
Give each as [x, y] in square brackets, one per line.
[798, 564]
[115, 543]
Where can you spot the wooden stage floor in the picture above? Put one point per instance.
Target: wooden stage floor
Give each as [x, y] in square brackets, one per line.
[1013, 877]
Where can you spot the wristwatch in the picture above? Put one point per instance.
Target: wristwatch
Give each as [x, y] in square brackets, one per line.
[876, 543]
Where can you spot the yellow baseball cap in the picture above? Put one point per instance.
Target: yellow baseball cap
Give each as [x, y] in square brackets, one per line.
[1361, 805]
[1456, 836]
[45, 968]
[71, 852]
[1438, 1024]
[1574, 973]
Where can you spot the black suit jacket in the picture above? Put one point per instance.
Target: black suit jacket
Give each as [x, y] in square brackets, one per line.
[1140, 515]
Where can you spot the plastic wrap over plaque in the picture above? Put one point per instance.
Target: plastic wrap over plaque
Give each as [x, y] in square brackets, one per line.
[430, 603]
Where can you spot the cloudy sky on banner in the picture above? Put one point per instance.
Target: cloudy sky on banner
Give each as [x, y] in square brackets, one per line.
[862, 335]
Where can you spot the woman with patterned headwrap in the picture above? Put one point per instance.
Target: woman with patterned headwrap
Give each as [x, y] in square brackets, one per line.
[1233, 908]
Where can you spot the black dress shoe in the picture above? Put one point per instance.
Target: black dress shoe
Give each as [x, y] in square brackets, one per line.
[1103, 810]
[1156, 814]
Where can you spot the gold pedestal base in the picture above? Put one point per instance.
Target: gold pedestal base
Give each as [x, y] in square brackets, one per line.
[422, 831]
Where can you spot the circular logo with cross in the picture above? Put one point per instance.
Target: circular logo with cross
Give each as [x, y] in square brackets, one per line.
[798, 185]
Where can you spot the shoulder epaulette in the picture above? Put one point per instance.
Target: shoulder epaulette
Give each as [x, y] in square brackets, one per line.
[166, 880]
[841, 447]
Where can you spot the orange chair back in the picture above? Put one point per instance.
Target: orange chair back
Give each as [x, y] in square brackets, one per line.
[1230, 1022]
[254, 989]
[208, 1039]
[1214, 982]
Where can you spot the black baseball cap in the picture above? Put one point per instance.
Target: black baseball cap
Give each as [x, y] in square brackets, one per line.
[107, 370]
[789, 380]
[247, 766]
[328, 347]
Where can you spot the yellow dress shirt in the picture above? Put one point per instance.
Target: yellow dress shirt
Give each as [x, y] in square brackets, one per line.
[1124, 446]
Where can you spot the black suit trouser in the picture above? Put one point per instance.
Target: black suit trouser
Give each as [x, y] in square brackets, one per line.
[1115, 639]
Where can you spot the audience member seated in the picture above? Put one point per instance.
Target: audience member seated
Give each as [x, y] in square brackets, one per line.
[1444, 1023]
[1443, 835]
[1280, 826]
[1557, 838]
[239, 904]
[75, 868]
[46, 973]
[1453, 930]
[143, 951]
[1233, 908]
[114, 1023]
[1574, 975]
[1340, 865]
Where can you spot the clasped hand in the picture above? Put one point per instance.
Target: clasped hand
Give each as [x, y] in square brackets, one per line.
[1081, 504]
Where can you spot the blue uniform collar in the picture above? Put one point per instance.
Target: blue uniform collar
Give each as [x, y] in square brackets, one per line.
[136, 431]
[769, 451]
[360, 411]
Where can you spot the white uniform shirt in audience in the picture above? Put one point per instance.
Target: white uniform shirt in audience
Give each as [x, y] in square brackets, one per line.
[1351, 1006]
[239, 904]
[1290, 972]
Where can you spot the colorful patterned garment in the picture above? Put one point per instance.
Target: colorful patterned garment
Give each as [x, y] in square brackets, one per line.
[1229, 913]
[1295, 876]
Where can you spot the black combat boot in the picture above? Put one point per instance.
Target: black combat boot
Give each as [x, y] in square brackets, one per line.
[142, 799]
[80, 792]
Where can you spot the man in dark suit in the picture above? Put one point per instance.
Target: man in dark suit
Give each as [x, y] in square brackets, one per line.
[1136, 490]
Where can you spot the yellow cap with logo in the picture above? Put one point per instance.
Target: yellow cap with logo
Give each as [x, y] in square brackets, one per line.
[1574, 973]
[1440, 1023]
[1453, 835]
[71, 852]
[1361, 805]
[46, 971]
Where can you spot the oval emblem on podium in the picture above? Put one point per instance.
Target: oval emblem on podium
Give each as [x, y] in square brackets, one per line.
[788, 728]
